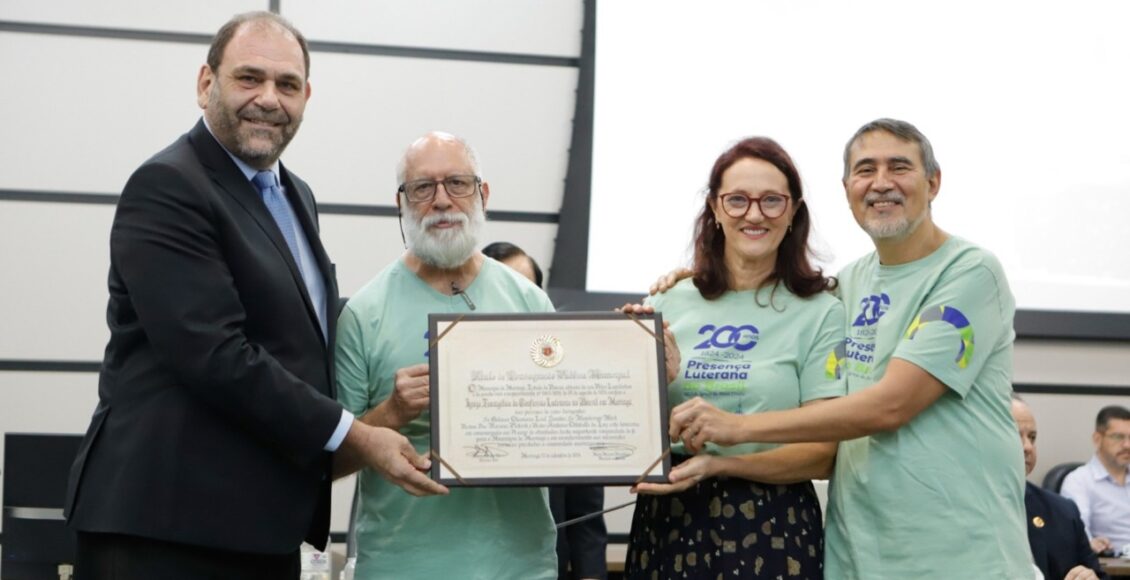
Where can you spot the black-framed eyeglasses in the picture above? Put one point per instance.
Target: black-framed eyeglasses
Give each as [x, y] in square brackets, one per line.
[737, 204]
[421, 190]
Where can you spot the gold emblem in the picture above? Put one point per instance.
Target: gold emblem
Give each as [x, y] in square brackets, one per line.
[546, 351]
[1038, 522]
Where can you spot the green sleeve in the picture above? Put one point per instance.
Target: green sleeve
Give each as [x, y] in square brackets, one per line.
[966, 317]
[350, 364]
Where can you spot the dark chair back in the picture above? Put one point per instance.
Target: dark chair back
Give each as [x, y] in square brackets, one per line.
[1054, 479]
[36, 539]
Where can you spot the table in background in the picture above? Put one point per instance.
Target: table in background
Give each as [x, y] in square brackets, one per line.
[1116, 567]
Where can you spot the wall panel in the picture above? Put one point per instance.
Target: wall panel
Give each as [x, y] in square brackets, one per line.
[549, 27]
[182, 16]
[365, 110]
[55, 258]
[1072, 363]
[89, 110]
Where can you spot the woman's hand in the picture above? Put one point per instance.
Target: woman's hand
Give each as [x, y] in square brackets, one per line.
[683, 476]
[697, 422]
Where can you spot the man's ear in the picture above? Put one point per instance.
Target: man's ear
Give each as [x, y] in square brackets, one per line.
[204, 82]
[935, 184]
[485, 188]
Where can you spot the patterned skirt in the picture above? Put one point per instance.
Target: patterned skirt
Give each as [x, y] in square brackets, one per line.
[728, 528]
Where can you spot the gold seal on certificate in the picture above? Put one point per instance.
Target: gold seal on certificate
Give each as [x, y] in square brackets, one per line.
[547, 351]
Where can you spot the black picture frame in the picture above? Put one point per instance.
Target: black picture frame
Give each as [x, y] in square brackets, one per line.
[650, 328]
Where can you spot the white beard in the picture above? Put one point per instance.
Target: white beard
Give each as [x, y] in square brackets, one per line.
[444, 248]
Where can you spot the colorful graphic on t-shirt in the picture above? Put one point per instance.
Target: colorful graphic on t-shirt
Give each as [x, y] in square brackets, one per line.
[837, 359]
[956, 319]
[872, 308]
[859, 345]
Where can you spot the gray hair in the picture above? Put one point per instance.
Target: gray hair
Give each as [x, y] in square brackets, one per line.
[904, 131]
[472, 157]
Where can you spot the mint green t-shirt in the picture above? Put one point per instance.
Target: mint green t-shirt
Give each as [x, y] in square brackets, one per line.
[751, 351]
[484, 532]
[943, 496]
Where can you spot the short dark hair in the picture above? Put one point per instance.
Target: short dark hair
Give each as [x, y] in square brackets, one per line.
[1102, 421]
[793, 268]
[503, 251]
[902, 130]
[227, 31]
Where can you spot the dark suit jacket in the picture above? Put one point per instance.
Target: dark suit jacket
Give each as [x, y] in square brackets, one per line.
[1061, 544]
[216, 390]
[584, 544]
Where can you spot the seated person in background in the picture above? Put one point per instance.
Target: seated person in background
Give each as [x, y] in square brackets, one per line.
[581, 547]
[382, 377]
[1099, 488]
[516, 258]
[1055, 532]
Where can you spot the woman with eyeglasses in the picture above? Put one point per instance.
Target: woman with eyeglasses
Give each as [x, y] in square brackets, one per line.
[758, 330]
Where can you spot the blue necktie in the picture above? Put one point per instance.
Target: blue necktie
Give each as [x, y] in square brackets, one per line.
[268, 184]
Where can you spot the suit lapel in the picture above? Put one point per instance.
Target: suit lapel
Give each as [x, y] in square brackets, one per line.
[228, 177]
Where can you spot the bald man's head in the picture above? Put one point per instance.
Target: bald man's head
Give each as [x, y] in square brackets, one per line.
[1026, 424]
[433, 141]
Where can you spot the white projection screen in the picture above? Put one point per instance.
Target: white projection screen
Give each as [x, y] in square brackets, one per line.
[1027, 105]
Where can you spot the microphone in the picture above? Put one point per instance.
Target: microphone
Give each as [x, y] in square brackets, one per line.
[457, 292]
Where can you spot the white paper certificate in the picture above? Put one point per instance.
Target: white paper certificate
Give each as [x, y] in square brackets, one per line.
[548, 398]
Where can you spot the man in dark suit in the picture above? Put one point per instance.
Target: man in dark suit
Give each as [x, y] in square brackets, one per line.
[1055, 532]
[209, 454]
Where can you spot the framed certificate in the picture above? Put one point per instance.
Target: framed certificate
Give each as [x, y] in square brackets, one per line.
[547, 399]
